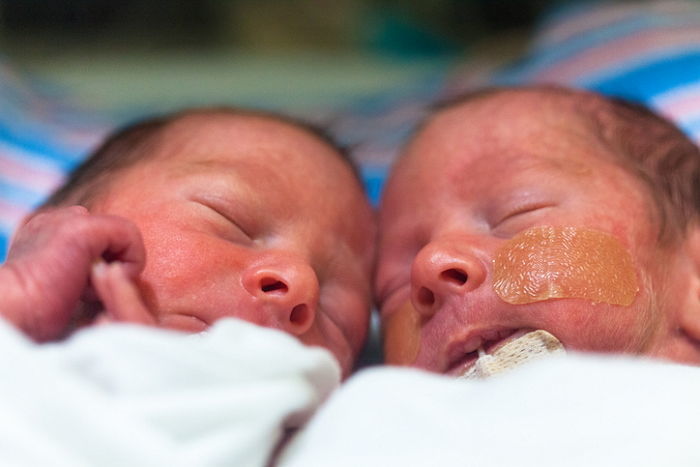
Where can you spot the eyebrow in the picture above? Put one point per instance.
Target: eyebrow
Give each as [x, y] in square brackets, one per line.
[218, 163]
[238, 167]
[225, 176]
[573, 167]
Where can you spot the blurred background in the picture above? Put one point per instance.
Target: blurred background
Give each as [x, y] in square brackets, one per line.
[136, 56]
[71, 70]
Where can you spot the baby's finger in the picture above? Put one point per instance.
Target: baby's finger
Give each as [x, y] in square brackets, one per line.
[81, 237]
[119, 240]
[119, 294]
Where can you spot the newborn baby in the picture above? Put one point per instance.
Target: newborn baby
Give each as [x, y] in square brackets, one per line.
[540, 209]
[180, 221]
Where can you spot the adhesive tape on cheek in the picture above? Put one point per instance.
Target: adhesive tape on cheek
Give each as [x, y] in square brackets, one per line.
[564, 262]
[401, 332]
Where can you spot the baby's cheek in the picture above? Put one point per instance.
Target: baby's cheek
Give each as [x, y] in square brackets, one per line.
[547, 262]
[402, 336]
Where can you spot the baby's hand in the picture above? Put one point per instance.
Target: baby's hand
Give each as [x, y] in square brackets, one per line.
[119, 295]
[50, 260]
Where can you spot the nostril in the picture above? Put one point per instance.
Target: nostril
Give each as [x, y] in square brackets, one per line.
[426, 297]
[270, 284]
[299, 315]
[456, 276]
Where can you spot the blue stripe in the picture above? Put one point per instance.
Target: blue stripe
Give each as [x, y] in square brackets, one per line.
[22, 156]
[691, 127]
[16, 194]
[63, 158]
[540, 60]
[373, 178]
[4, 241]
[650, 79]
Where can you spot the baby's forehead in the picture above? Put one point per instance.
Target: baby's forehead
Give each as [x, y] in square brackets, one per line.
[259, 146]
[235, 128]
[225, 134]
[508, 121]
[522, 108]
[532, 129]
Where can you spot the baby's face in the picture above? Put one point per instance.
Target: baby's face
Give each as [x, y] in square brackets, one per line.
[506, 215]
[252, 218]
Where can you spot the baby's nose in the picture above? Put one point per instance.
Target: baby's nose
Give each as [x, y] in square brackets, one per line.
[440, 270]
[287, 292]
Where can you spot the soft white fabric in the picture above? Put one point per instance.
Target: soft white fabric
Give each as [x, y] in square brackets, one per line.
[124, 395]
[560, 411]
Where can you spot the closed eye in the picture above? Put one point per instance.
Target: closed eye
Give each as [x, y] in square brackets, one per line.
[231, 221]
[226, 217]
[521, 211]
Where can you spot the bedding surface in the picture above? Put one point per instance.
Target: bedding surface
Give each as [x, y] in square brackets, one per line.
[571, 410]
[122, 395]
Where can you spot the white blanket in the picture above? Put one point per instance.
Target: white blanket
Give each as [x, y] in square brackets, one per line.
[124, 395]
[564, 411]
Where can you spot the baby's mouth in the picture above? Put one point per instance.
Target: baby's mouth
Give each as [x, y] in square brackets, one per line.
[493, 352]
[464, 355]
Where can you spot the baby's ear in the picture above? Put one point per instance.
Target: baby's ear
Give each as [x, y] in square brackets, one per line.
[690, 316]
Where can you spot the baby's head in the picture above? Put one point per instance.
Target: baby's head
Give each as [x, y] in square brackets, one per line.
[541, 208]
[242, 214]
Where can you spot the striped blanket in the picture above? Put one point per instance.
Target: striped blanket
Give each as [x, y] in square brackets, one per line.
[42, 138]
[647, 51]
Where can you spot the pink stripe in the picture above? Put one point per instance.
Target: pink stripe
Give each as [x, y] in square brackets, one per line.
[678, 109]
[606, 16]
[35, 178]
[12, 215]
[616, 52]
[598, 18]
[86, 139]
[678, 93]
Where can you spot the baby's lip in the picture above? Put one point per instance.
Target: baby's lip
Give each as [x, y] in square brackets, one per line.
[463, 352]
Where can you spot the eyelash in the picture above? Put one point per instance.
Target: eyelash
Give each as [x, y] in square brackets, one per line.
[233, 222]
[520, 210]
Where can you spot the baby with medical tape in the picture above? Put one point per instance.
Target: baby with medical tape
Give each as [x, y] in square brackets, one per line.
[523, 221]
[179, 221]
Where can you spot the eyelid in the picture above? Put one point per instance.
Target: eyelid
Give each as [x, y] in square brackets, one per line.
[232, 221]
[524, 208]
[212, 206]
